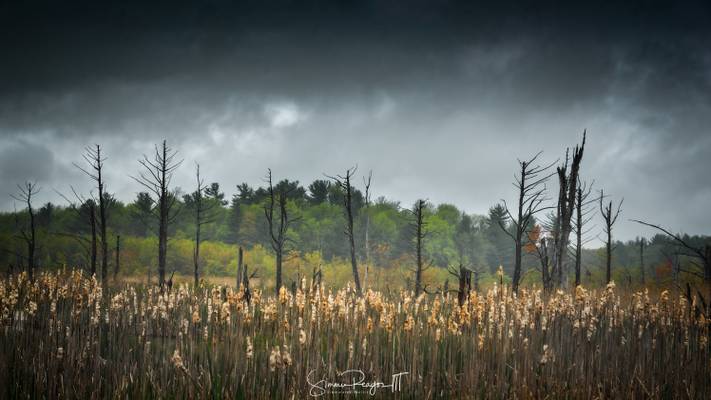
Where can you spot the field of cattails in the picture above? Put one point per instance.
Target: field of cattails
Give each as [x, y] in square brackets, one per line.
[62, 336]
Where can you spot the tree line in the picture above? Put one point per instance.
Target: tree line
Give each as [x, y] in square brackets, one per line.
[539, 238]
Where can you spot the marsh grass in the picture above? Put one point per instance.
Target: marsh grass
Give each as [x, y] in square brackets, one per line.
[61, 337]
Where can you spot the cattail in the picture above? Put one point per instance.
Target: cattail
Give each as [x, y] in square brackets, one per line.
[409, 323]
[225, 312]
[274, 359]
[250, 349]
[285, 357]
[177, 360]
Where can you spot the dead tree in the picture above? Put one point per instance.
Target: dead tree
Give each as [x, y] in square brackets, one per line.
[367, 227]
[530, 182]
[156, 177]
[245, 285]
[464, 278]
[583, 215]
[642, 244]
[203, 216]
[702, 254]
[566, 205]
[544, 258]
[118, 256]
[94, 159]
[316, 277]
[240, 259]
[88, 207]
[344, 182]
[419, 227]
[539, 243]
[278, 228]
[24, 195]
[610, 217]
[94, 241]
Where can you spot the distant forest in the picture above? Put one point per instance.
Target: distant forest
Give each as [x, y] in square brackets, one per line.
[316, 237]
[332, 229]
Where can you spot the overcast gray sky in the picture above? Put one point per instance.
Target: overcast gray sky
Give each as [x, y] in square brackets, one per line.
[439, 99]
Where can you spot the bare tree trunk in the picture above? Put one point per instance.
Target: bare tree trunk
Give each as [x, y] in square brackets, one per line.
[578, 235]
[92, 156]
[117, 267]
[420, 234]
[367, 228]
[92, 221]
[25, 194]
[610, 218]
[202, 209]
[239, 266]
[566, 204]
[196, 255]
[608, 257]
[278, 270]
[102, 220]
[520, 229]
[162, 237]
[642, 271]
[279, 237]
[351, 235]
[157, 179]
[465, 285]
[245, 285]
[344, 182]
[545, 265]
[32, 243]
[530, 182]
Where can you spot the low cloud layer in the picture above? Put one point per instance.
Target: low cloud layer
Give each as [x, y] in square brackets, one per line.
[438, 100]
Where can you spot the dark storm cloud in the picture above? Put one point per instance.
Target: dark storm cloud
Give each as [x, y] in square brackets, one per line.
[439, 98]
[30, 161]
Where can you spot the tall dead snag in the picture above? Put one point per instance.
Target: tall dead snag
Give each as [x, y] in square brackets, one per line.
[610, 217]
[530, 182]
[118, 256]
[202, 209]
[642, 244]
[583, 215]
[92, 224]
[464, 279]
[419, 227]
[566, 206]
[156, 177]
[702, 254]
[544, 258]
[367, 182]
[344, 182]
[24, 195]
[95, 161]
[278, 228]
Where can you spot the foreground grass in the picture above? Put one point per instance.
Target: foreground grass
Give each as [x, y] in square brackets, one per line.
[61, 337]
